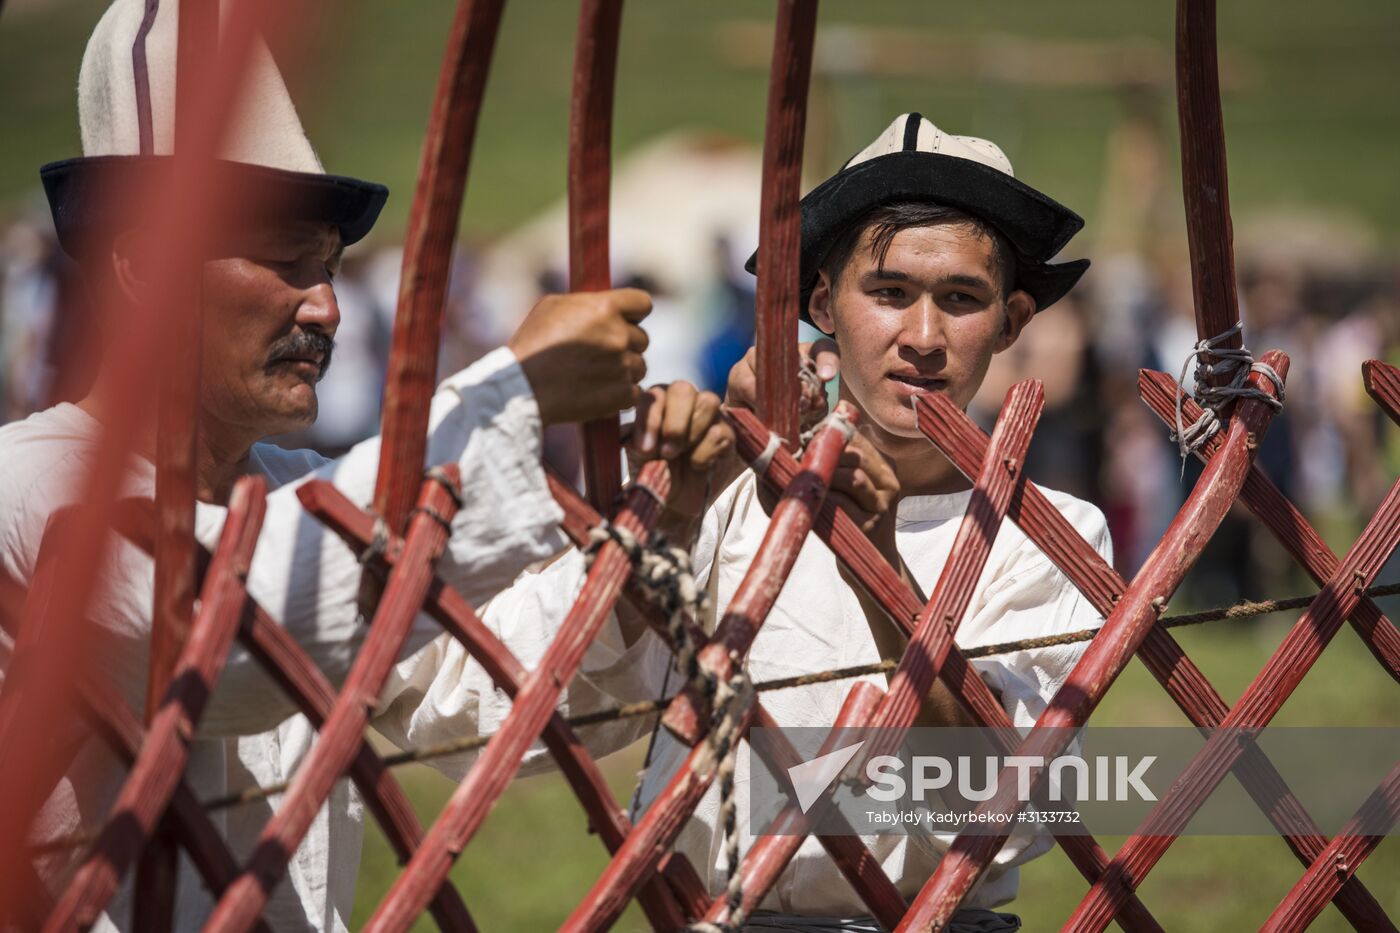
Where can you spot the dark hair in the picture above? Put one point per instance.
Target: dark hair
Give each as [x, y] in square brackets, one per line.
[889, 219]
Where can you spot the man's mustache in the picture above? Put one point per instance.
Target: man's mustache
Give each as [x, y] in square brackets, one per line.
[304, 345]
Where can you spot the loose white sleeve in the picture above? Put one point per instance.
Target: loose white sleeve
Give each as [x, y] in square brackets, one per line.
[442, 692]
[485, 420]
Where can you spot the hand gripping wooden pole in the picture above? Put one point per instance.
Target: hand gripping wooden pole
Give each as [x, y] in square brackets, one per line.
[753, 600]
[787, 532]
[861, 870]
[450, 610]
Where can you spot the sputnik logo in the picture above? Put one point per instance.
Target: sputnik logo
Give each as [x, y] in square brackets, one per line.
[811, 778]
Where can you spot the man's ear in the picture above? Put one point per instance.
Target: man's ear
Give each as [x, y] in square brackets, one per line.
[1020, 308]
[819, 305]
[129, 268]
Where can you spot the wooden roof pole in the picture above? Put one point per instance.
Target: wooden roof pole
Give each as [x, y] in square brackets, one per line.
[427, 257]
[1204, 180]
[780, 219]
[590, 168]
[182, 207]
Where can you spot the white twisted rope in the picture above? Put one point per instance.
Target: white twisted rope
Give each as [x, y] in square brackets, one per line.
[664, 574]
[836, 419]
[1213, 399]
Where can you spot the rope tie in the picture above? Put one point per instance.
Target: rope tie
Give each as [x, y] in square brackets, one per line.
[664, 575]
[764, 460]
[378, 544]
[727, 712]
[807, 374]
[435, 515]
[836, 419]
[1229, 361]
[440, 476]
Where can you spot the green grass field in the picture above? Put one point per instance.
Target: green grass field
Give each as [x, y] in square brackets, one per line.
[533, 859]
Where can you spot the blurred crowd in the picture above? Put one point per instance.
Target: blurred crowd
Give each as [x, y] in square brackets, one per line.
[1330, 450]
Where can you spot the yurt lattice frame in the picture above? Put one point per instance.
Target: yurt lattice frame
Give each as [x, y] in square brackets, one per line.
[402, 534]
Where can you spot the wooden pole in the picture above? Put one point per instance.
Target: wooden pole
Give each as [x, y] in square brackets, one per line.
[427, 257]
[590, 169]
[780, 219]
[172, 602]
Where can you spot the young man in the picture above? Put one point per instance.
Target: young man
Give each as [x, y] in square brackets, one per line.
[269, 320]
[922, 258]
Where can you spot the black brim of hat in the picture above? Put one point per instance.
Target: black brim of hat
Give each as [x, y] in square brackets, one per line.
[1036, 226]
[85, 196]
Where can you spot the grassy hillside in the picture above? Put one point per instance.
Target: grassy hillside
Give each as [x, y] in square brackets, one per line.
[1314, 120]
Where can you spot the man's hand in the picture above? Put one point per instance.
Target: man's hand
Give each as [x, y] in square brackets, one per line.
[821, 355]
[582, 353]
[682, 425]
[866, 488]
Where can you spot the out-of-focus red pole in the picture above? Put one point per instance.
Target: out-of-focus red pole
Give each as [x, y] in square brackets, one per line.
[172, 601]
[590, 157]
[184, 206]
[139, 807]
[427, 257]
[780, 220]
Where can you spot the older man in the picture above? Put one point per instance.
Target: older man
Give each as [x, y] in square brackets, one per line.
[269, 321]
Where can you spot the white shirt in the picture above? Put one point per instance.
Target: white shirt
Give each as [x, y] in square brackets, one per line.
[818, 624]
[483, 418]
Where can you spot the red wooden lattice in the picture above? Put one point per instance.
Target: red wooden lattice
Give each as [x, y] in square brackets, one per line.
[157, 811]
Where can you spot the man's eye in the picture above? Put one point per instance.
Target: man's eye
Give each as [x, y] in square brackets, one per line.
[891, 292]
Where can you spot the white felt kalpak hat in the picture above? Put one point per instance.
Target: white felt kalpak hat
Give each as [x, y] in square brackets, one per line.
[126, 114]
[913, 160]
